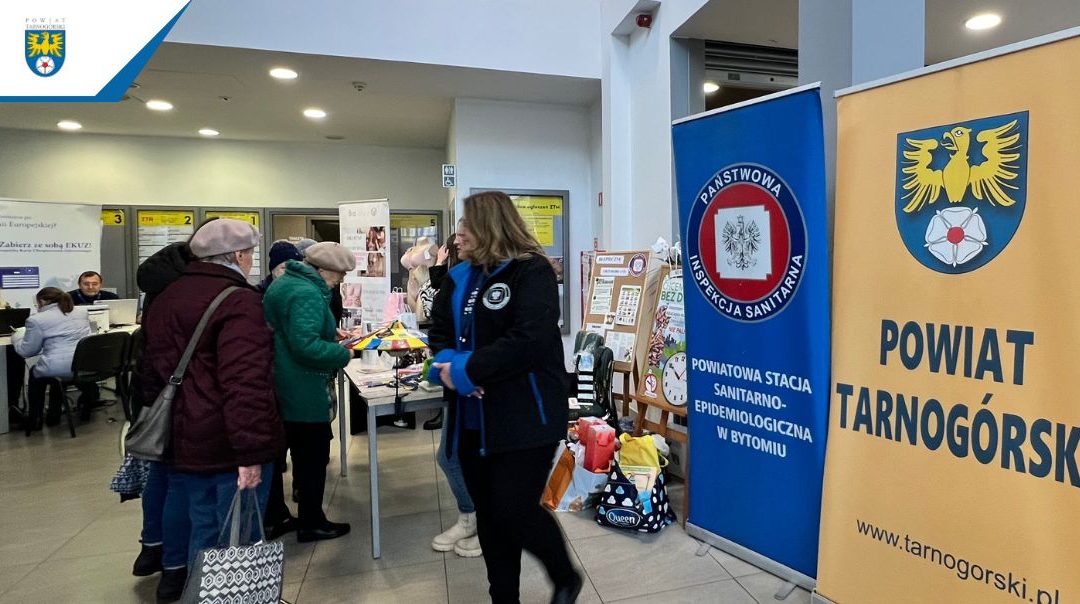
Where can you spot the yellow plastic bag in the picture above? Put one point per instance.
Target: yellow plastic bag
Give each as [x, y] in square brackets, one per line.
[640, 451]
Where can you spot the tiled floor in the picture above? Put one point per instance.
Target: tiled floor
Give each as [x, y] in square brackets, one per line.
[68, 539]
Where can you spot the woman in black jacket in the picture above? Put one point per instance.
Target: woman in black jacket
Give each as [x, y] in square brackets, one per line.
[499, 353]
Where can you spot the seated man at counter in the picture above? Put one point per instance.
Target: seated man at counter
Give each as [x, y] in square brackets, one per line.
[90, 291]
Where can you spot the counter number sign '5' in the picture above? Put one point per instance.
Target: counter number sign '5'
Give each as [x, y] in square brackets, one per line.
[449, 176]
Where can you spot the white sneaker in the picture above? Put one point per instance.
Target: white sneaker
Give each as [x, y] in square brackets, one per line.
[464, 528]
[468, 548]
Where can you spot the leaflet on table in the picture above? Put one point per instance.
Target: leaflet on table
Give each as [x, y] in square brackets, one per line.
[621, 345]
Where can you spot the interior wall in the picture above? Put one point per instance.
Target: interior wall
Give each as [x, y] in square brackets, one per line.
[134, 170]
[637, 81]
[532, 146]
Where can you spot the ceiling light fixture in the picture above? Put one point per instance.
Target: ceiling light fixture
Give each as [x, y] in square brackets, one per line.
[159, 105]
[283, 73]
[983, 21]
[68, 125]
[314, 113]
[208, 132]
[711, 87]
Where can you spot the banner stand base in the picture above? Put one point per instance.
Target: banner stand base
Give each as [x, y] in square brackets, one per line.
[752, 557]
[816, 598]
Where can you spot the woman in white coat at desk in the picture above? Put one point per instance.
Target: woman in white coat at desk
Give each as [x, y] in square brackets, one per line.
[52, 335]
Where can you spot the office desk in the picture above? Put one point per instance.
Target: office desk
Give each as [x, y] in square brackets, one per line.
[5, 404]
[380, 401]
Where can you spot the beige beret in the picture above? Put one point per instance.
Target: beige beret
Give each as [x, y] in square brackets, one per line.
[222, 236]
[330, 256]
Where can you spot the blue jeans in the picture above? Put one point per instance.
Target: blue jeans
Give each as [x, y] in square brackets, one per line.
[209, 498]
[452, 470]
[165, 515]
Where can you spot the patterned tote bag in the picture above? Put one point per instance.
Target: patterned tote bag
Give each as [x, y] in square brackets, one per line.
[241, 572]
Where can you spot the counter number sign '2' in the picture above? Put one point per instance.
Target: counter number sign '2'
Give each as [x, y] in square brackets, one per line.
[746, 239]
[961, 190]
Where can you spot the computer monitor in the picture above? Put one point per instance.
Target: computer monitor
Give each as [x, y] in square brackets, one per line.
[12, 319]
[123, 311]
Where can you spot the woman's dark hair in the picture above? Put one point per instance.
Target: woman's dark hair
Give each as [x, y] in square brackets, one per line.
[52, 295]
[451, 250]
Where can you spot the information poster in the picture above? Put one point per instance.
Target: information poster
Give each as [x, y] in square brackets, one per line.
[539, 212]
[953, 473]
[663, 376]
[157, 228]
[365, 227]
[755, 260]
[46, 245]
[616, 300]
[252, 218]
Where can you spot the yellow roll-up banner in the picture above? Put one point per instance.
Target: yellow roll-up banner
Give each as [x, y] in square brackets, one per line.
[951, 469]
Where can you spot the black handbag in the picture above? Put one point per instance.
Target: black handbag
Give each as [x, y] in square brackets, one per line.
[151, 432]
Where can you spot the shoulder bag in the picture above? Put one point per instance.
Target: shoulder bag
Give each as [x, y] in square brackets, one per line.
[150, 433]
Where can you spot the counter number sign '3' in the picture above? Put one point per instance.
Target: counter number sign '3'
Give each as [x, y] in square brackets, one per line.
[746, 239]
[45, 45]
[961, 190]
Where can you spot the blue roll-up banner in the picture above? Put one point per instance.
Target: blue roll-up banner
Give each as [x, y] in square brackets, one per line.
[752, 211]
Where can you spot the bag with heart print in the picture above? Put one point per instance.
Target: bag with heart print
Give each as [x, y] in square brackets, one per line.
[622, 505]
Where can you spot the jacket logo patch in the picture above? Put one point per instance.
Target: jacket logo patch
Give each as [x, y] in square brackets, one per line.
[497, 297]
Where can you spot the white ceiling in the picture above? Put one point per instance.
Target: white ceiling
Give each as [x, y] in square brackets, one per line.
[403, 104]
[776, 23]
[409, 104]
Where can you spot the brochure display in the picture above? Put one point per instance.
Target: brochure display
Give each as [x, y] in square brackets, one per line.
[365, 227]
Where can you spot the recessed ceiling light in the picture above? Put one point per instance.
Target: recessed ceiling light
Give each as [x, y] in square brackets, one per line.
[158, 105]
[983, 21]
[208, 132]
[68, 125]
[283, 73]
[314, 113]
[711, 87]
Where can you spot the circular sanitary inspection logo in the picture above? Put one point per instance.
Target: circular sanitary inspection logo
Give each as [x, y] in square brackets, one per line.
[746, 242]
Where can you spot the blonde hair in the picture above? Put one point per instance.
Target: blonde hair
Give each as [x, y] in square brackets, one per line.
[501, 234]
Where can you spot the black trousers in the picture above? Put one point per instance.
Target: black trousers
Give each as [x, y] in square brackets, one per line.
[506, 488]
[309, 444]
[35, 397]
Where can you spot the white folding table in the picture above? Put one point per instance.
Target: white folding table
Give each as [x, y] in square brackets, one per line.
[380, 401]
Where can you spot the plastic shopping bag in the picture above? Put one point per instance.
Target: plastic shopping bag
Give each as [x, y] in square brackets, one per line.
[570, 487]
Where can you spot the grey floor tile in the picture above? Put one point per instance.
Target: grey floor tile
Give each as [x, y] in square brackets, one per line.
[406, 541]
[721, 592]
[10, 575]
[104, 578]
[409, 585]
[110, 534]
[33, 545]
[669, 555]
[297, 559]
[736, 567]
[290, 592]
[581, 525]
[763, 587]
[467, 581]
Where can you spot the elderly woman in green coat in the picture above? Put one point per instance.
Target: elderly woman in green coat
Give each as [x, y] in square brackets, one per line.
[306, 357]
